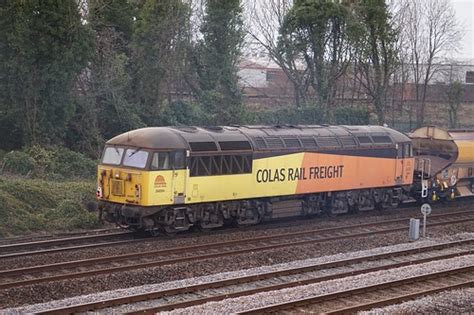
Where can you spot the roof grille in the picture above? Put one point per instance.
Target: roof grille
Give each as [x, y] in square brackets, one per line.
[260, 142]
[381, 139]
[364, 139]
[234, 145]
[348, 141]
[292, 142]
[308, 142]
[328, 142]
[274, 142]
[203, 146]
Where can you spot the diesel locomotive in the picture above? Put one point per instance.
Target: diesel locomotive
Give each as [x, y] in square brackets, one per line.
[168, 179]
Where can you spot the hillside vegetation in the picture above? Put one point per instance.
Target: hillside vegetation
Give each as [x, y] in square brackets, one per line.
[46, 190]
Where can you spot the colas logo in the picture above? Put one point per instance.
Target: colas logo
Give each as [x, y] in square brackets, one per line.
[160, 181]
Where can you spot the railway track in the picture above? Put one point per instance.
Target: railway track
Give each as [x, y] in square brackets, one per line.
[31, 238]
[377, 295]
[185, 296]
[57, 244]
[111, 264]
[60, 245]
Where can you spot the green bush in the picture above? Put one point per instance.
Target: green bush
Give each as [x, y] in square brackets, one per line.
[72, 164]
[36, 205]
[70, 214]
[184, 113]
[44, 159]
[347, 115]
[305, 115]
[18, 163]
[52, 163]
[308, 115]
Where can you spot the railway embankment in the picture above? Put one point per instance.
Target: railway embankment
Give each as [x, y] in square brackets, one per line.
[38, 206]
[45, 191]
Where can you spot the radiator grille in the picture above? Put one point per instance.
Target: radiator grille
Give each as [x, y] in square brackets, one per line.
[117, 187]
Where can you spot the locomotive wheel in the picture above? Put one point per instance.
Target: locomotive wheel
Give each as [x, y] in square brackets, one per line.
[251, 217]
[154, 232]
[215, 220]
[168, 230]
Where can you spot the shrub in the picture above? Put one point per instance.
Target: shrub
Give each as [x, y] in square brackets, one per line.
[303, 115]
[37, 205]
[72, 164]
[52, 163]
[18, 163]
[184, 113]
[44, 159]
[347, 115]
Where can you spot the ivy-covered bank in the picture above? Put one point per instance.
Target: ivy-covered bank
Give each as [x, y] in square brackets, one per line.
[46, 190]
[35, 205]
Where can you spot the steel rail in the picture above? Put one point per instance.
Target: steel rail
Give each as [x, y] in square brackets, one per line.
[60, 241]
[81, 263]
[114, 243]
[185, 249]
[260, 238]
[398, 299]
[285, 272]
[24, 239]
[70, 248]
[362, 290]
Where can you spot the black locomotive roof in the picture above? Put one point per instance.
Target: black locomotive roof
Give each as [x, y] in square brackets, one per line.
[257, 137]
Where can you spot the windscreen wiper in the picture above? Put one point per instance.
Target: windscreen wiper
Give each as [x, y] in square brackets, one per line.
[131, 154]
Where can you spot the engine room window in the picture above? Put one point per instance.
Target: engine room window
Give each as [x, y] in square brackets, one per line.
[220, 165]
[112, 155]
[160, 161]
[364, 140]
[135, 158]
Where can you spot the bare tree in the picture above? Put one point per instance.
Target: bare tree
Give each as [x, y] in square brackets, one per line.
[453, 74]
[376, 59]
[264, 19]
[432, 31]
[401, 75]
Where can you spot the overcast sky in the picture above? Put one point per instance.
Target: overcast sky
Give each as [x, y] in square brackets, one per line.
[465, 13]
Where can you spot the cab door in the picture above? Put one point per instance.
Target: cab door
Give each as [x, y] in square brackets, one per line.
[179, 176]
[399, 164]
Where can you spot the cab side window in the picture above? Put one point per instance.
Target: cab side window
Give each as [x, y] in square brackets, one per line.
[168, 160]
[179, 160]
[160, 161]
[407, 150]
[400, 151]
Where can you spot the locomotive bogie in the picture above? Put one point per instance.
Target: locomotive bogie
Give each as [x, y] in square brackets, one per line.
[249, 212]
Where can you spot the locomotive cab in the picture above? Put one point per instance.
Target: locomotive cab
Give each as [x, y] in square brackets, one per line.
[141, 177]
